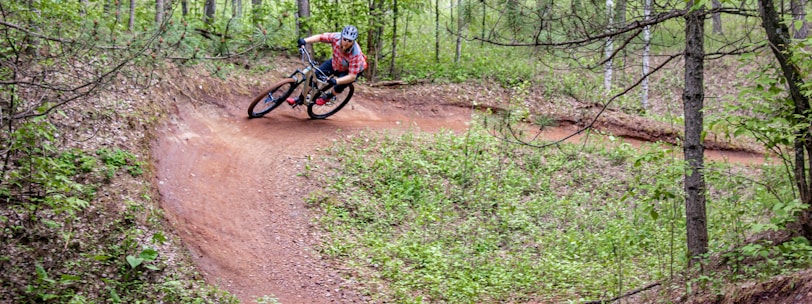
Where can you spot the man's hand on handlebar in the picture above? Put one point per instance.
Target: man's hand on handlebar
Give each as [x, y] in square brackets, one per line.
[331, 81]
[301, 42]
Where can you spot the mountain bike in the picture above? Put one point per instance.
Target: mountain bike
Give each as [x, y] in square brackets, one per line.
[315, 85]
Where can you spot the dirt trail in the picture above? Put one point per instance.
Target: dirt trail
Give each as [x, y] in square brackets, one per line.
[230, 187]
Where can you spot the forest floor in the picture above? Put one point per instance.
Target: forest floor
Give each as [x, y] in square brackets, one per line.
[234, 191]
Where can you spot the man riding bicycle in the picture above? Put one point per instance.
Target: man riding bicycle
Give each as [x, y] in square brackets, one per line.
[347, 63]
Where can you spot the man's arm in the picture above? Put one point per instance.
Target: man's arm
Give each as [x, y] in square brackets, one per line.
[311, 39]
[349, 78]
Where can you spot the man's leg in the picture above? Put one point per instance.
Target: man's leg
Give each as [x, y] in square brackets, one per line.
[326, 68]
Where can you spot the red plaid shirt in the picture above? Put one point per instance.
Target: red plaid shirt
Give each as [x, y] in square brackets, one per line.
[354, 61]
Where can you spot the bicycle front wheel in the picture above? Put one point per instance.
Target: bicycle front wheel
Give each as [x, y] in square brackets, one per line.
[271, 98]
[331, 107]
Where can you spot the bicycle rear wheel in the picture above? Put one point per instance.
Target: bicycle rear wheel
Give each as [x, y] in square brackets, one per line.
[331, 107]
[271, 98]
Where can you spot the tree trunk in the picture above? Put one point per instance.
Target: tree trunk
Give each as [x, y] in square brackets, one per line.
[303, 7]
[159, 12]
[184, 4]
[717, 17]
[778, 35]
[394, 39]
[646, 51]
[692, 98]
[484, 6]
[437, 31]
[374, 39]
[34, 24]
[620, 12]
[799, 15]
[209, 9]
[131, 22]
[609, 47]
[460, 22]
[236, 6]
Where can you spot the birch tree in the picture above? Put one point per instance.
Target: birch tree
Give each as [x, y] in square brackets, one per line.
[646, 51]
[609, 47]
[159, 11]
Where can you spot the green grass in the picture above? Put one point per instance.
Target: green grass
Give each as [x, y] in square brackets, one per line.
[470, 219]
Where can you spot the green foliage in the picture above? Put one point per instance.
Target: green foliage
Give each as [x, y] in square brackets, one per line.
[467, 218]
[267, 300]
[117, 159]
[775, 259]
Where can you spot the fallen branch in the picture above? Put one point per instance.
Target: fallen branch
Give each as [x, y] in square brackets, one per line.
[624, 295]
[392, 83]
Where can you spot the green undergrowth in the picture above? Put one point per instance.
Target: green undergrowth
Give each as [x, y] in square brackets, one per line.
[471, 218]
[80, 226]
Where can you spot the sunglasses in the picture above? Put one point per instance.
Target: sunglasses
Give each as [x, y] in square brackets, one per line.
[348, 40]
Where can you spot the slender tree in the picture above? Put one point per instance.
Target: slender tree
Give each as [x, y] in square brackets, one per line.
[692, 99]
[159, 11]
[236, 6]
[302, 16]
[374, 38]
[484, 6]
[716, 5]
[800, 28]
[209, 9]
[131, 21]
[609, 47]
[394, 38]
[620, 12]
[460, 24]
[778, 36]
[437, 31]
[646, 51]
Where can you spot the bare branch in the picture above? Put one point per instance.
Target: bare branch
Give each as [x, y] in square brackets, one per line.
[515, 137]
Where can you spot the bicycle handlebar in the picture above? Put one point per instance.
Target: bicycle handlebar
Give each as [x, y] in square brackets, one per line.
[306, 56]
[309, 59]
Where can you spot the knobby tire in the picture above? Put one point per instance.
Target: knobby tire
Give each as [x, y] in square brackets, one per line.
[321, 112]
[271, 98]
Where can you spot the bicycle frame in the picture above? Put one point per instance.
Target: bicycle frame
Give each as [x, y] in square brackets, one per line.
[309, 77]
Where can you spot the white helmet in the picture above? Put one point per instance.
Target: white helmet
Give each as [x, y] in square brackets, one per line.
[350, 32]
